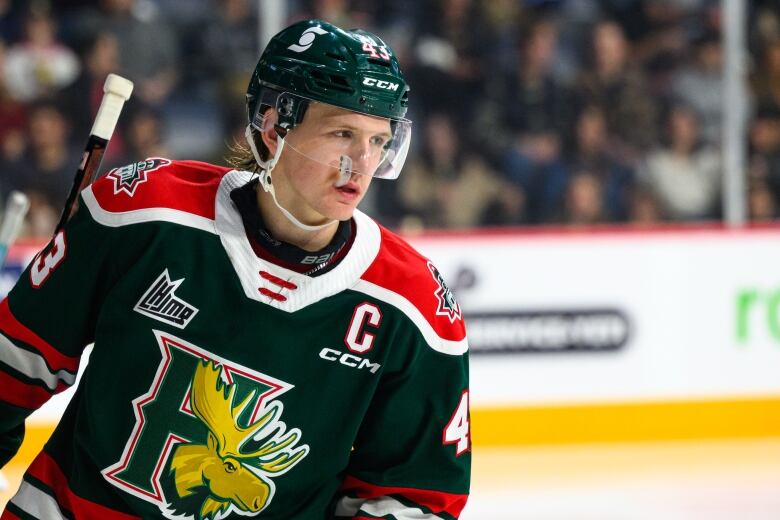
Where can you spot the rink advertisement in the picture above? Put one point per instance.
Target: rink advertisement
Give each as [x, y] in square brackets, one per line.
[607, 326]
[564, 330]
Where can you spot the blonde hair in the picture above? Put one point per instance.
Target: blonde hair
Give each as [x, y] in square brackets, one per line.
[239, 156]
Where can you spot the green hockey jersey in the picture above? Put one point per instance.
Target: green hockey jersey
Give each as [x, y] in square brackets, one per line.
[222, 386]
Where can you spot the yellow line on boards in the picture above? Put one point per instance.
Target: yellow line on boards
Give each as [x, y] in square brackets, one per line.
[591, 423]
[35, 436]
[653, 421]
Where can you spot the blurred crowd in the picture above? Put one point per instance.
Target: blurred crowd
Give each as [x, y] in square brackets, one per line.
[526, 112]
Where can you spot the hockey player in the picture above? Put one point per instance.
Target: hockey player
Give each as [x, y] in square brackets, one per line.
[262, 348]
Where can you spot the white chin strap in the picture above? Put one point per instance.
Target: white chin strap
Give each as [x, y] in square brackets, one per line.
[267, 184]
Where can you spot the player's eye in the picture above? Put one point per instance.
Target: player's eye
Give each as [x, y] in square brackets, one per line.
[379, 140]
[345, 134]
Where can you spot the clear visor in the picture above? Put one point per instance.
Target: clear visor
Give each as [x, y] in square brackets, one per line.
[349, 141]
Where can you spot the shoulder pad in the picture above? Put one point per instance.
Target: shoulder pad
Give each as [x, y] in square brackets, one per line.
[402, 276]
[156, 189]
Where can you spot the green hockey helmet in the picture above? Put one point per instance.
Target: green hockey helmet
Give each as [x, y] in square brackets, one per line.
[351, 69]
[315, 61]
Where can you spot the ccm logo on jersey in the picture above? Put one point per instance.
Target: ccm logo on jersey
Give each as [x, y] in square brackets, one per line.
[159, 303]
[349, 360]
[379, 83]
[357, 339]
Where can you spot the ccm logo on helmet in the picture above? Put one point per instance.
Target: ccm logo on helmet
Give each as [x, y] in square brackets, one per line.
[306, 39]
[373, 82]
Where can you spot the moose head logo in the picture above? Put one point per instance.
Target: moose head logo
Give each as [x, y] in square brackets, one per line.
[234, 463]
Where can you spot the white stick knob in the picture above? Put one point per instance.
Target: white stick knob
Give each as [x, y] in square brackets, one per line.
[117, 90]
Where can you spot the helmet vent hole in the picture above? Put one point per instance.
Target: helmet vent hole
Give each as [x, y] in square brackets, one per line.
[331, 81]
[339, 80]
[335, 56]
[340, 83]
[375, 61]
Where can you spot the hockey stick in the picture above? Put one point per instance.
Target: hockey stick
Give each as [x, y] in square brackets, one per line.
[116, 91]
[15, 210]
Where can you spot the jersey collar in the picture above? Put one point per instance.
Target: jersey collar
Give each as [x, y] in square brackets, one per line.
[308, 290]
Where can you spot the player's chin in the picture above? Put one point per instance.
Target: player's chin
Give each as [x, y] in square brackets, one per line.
[342, 208]
[342, 212]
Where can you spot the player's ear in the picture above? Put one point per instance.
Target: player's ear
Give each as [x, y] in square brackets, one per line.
[268, 134]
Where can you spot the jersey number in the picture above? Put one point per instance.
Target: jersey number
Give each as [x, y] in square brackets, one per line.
[457, 430]
[43, 265]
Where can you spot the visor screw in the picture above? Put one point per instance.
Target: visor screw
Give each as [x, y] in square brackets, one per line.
[285, 106]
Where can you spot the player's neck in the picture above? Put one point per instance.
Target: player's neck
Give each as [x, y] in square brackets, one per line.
[282, 229]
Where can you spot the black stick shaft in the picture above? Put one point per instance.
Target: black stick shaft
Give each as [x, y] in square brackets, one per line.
[88, 170]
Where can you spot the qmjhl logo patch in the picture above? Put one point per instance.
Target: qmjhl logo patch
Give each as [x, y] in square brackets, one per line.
[127, 178]
[447, 304]
[160, 303]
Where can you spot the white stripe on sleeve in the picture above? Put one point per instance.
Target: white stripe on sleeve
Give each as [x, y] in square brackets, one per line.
[35, 502]
[32, 365]
[381, 506]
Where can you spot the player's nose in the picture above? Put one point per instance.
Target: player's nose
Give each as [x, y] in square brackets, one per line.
[362, 157]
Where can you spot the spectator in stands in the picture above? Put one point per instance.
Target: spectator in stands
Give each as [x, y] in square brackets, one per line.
[339, 12]
[699, 85]
[619, 87]
[592, 150]
[13, 120]
[520, 124]
[584, 200]
[644, 209]
[39, 65]
[508, 208]
[535, 167]
[232, 32]
[526, 123]
[9, 24]
[148, 46]
[528, 99]
[451, 47]
[762, 205]
[766, 77]
[658, 34]
[413, 201]
[764, 24]
[504, 19]
[81, 100]
[143, 132]
[45, 171]
[466, 197]
[764, 163]
[447, 185]
[685, 173]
